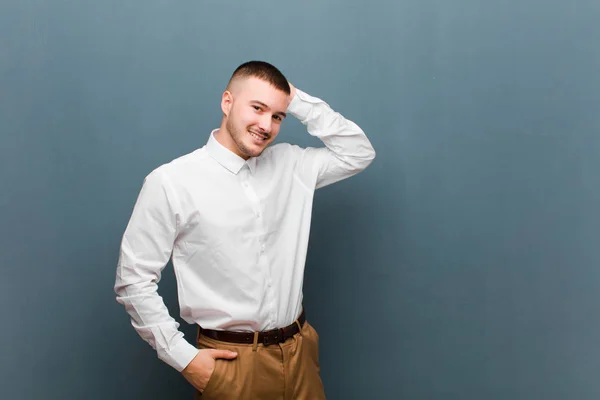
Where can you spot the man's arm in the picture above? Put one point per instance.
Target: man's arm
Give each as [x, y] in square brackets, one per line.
[347, 150]
[145, 250]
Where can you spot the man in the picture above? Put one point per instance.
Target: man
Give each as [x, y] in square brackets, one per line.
[235, 217]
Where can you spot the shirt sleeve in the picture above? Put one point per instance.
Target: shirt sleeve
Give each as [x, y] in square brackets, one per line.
[347, 149]
[146, 247]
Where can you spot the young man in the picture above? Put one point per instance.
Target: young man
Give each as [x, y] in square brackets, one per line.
[235, 217]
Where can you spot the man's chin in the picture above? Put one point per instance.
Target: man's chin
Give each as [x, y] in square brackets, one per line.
[254, 150]
[256, 153]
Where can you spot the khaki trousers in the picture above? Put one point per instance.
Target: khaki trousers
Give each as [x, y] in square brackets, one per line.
[284, 371]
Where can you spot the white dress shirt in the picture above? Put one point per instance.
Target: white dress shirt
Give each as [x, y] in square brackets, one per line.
[237, 232]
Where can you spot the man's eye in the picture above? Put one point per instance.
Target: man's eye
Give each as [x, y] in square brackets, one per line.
[277, 117]
[257, 108]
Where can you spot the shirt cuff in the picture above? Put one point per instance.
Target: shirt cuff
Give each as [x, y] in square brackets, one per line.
[180, 355]
[301, 105]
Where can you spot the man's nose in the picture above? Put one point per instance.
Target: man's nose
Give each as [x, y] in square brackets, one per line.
[265, 123]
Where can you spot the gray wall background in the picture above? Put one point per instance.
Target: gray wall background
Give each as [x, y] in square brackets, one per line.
[463, 264]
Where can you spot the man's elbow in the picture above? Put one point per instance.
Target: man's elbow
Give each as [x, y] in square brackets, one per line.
[371, 154]
[366, 158]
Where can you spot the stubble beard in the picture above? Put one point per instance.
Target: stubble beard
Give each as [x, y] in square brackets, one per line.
[238, 139]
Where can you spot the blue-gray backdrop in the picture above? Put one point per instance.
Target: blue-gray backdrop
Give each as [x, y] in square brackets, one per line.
[463, 264]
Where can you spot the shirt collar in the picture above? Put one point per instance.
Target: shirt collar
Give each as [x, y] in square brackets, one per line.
[226, 157]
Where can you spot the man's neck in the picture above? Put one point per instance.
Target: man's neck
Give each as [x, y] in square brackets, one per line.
[224, 138]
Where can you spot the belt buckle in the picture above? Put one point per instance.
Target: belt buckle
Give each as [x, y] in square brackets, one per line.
[272, 337]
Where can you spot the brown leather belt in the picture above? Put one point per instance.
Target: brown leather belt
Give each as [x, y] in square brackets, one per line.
[267, 338]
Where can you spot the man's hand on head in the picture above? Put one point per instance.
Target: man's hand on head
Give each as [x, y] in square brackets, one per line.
[292, 91]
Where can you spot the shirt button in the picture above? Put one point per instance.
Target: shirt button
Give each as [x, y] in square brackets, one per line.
[257, 215]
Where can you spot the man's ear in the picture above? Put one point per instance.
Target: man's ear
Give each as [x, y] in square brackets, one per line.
[226, 102]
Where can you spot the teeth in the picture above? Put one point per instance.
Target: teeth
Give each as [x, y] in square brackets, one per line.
[258, 136]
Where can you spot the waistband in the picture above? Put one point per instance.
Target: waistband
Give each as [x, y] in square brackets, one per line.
[267, 338]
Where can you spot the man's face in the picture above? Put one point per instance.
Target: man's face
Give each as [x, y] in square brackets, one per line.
[254, 111]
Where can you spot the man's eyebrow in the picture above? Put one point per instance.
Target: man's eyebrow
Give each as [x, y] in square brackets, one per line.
[268, 108]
